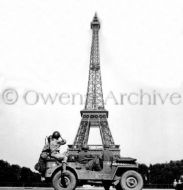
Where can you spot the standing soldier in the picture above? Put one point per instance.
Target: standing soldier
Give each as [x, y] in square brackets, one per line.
[107, 155]
[55, 143]
[46, 149]
[41, 165]
[107, 158]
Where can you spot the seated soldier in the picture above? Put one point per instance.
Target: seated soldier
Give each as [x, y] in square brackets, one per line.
[91, 162]
[94, 164]
[83, 156]
[103, 161]
[55, 143]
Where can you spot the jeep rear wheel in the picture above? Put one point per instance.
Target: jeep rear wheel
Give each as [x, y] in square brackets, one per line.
[131, 180]
[67, 181]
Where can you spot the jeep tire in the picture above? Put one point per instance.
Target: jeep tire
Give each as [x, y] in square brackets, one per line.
[131, 180]
[65, 182]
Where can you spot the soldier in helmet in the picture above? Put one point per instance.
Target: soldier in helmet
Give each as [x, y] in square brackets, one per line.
[55, 143]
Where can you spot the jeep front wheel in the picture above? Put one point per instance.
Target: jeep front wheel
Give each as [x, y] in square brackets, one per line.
[67, 181]
[131, 180]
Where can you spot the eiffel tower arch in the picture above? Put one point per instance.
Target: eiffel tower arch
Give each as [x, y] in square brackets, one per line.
[94, 113]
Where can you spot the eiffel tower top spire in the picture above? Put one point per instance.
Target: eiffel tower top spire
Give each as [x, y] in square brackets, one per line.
[94, 97]
[95, 22]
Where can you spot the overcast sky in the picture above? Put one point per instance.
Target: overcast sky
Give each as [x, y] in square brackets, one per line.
[45, 49]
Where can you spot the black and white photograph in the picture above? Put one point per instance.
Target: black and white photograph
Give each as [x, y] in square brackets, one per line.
[91, 94]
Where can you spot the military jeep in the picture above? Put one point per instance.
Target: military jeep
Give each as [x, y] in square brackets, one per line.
[121, 174]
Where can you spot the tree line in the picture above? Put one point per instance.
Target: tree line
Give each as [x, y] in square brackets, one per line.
[14, 175]
[161, 173]
[154, 175]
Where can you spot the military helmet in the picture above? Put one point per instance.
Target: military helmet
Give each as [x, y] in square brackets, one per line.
[55, 135]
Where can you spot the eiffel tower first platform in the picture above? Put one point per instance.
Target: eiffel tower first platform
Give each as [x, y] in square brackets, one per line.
[94, 113]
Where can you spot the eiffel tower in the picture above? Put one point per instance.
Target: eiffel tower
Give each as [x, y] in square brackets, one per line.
[94, 113]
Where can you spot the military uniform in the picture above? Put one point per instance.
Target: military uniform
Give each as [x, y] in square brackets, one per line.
[55, 149]
[94, 164]
[107, 158]
[91, 162]
[107, 155]
[41, 165]
[84, 157]
[46, 151]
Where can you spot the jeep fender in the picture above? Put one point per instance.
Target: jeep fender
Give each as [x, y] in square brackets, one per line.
[119, 170]
[52, 171]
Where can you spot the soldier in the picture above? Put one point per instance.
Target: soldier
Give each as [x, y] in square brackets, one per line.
[55, 143]
[91, 162]
[107, 158]
[94, 164]
[107, 155]
[46, 149]
[103, 161]
[41, 165]
[83, 156]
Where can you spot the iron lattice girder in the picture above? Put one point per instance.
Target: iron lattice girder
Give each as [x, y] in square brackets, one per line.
[94, 98]
[93, 119]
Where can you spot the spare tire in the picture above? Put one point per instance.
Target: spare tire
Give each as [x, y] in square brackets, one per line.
[67, 181]
[131, 180]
